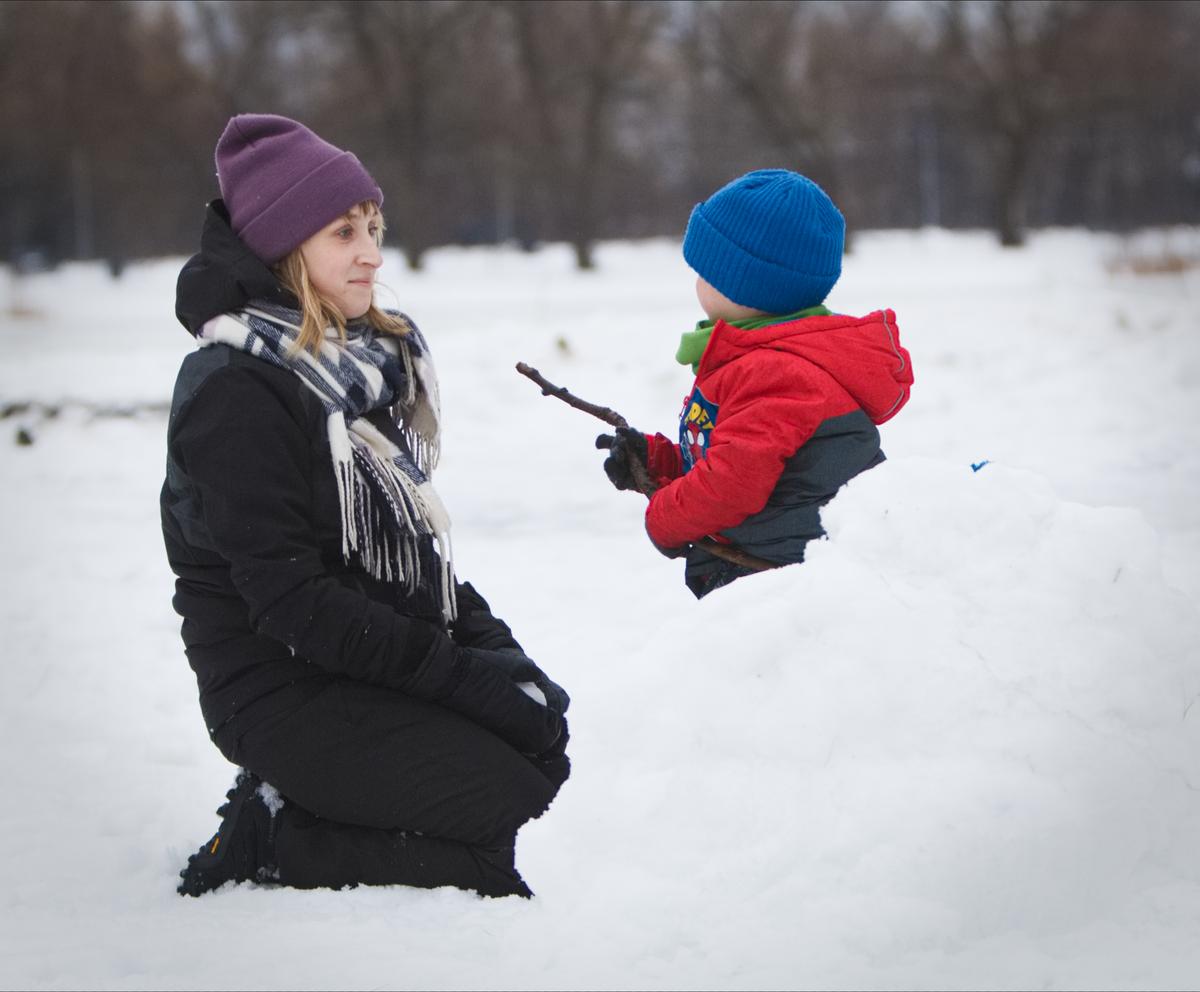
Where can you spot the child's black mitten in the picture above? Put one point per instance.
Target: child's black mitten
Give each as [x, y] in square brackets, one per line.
[623, 447]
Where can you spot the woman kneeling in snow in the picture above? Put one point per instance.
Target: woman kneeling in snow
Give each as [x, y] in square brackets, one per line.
[389, 728]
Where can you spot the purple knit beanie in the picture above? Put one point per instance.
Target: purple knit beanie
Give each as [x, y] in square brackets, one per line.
[282, 183]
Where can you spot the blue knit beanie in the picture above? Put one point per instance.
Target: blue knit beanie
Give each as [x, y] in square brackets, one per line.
[771, 240]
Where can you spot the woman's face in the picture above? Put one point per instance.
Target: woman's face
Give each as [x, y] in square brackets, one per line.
[342, 259]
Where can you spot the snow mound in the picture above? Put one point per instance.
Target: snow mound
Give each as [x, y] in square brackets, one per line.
[950, 722]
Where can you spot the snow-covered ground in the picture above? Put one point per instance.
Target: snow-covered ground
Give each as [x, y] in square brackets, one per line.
[960, 747]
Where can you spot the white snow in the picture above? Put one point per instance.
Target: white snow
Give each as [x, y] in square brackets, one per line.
[959, 747]
[271, 798]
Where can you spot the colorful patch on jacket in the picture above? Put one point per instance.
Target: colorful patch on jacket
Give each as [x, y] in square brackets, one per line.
[696, 423]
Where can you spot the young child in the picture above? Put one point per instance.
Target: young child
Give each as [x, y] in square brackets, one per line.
[787, 394]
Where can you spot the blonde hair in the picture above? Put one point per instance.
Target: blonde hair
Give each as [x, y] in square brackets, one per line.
[317, 312]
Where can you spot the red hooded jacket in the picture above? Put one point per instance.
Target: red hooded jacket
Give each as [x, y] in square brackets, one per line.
[777, 420]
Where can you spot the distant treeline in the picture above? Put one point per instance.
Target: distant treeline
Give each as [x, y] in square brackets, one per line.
[574, 120]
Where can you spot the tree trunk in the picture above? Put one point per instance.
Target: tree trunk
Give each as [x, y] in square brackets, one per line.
[584, 258]
[1011, 193]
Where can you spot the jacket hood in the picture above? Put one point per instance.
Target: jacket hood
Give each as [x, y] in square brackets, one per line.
[863, 354]
[224, 275]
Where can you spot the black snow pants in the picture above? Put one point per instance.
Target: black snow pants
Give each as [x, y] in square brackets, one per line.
[384, 789]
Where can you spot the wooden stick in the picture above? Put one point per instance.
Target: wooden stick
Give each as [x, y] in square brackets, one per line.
[564, 394]
[641, 478]
[736, 556]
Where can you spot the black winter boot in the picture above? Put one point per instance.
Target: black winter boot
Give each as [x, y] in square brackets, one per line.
[243, 848]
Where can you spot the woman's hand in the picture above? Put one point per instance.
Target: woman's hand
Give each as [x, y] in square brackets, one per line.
[486, 693]
[521, 669]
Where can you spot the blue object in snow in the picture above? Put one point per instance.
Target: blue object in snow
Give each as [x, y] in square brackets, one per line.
[976, 466]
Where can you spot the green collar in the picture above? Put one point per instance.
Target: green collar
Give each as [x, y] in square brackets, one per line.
[693, 343]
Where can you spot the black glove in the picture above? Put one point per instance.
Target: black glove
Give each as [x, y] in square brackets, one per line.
[476, 626]
[559, 746]
[520, 668]
[625, 446]
[485, 694]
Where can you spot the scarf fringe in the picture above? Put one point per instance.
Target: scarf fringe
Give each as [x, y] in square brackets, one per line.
[376, 495]
[387, 503]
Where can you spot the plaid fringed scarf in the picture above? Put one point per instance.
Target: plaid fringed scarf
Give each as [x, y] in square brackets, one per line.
[387, 500]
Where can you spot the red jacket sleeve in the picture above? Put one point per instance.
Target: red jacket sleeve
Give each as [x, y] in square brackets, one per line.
[662, 459]
[768, 409]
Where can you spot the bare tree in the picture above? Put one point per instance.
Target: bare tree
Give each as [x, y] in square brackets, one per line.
[400, 69]
[99, 113]
[600, 118]
[1016, 69]
[578, 62]
[788, 65]
[241, 48]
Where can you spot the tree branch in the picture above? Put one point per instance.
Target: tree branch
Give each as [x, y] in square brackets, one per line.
[564, 394]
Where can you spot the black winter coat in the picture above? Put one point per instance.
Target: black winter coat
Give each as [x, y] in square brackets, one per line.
[251, 520]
